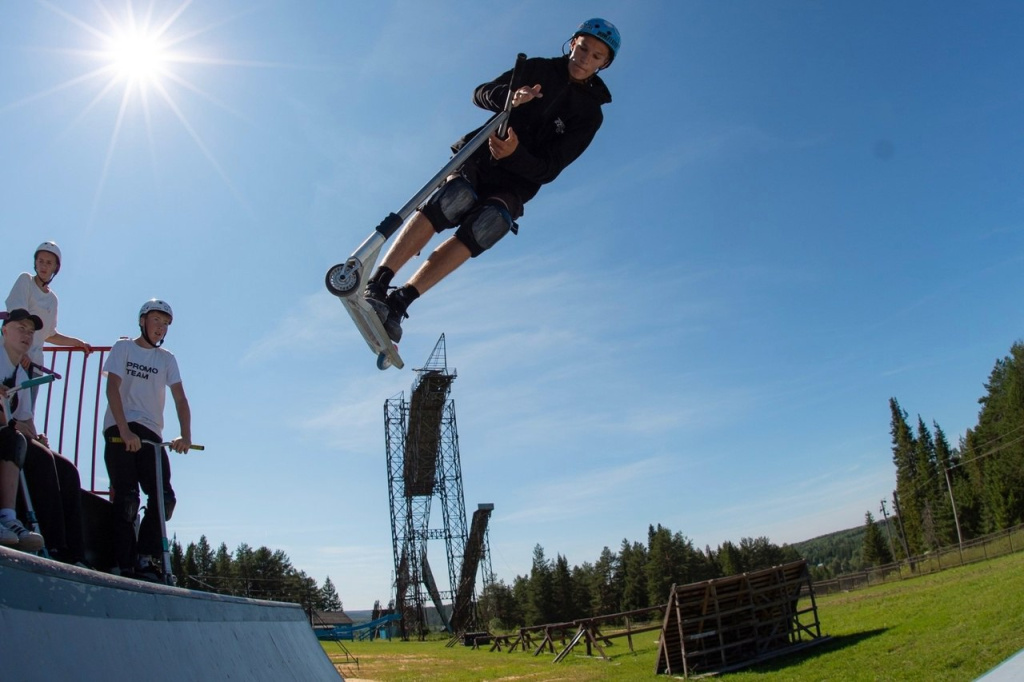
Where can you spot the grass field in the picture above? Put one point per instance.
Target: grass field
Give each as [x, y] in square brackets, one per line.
[953, 625]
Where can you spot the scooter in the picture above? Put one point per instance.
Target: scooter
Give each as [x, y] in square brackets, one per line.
[347, 280]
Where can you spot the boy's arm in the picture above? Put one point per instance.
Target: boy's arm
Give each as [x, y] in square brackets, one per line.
[18, 298]
[183, 442]
[132, 443]
[64, 340]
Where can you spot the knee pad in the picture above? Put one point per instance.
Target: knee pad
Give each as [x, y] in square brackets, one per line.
[450, 203]
[484, 226]
[169, 504]
[13, 446]
[126, 506]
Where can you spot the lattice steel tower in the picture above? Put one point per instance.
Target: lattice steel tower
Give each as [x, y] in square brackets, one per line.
[423, 463]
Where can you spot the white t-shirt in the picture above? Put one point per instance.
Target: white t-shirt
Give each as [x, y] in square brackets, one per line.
[145, 374]
[23, 410]
[25, 294]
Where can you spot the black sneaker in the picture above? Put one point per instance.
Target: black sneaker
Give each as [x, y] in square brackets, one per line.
[376, 295]
[148, 570]
[398, 303]
[375, 291]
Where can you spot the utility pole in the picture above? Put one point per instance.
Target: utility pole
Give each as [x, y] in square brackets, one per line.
[956, 519]
[888, 530]
[903, 530]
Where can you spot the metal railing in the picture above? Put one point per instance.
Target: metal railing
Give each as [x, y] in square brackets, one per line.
[68, 411]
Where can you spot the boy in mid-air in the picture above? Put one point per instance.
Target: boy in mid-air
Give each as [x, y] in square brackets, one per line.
[552, 122]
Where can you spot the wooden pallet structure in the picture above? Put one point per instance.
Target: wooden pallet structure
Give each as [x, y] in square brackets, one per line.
[598, 633]
[730, 623]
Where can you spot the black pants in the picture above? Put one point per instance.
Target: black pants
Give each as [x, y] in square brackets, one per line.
[128, 472]
[55, 489]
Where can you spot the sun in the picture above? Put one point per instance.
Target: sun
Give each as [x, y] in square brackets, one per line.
[140, 57]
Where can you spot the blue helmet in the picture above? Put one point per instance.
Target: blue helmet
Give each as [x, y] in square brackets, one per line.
[604, 31]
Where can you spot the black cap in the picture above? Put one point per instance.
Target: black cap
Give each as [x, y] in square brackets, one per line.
[19, 314]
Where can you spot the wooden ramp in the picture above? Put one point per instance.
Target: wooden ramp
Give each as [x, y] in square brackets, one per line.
[66, 623]
[730, 623]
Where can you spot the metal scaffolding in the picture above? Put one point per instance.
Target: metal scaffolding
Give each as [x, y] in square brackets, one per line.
[423, 463]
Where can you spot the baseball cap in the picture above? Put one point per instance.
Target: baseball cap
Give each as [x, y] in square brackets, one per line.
[19, 314]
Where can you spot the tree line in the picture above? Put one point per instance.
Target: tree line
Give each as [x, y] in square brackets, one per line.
[978, 485]
[638, 576]
[254, 573]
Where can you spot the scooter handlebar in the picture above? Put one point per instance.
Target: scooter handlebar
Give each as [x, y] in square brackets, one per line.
[118, 439]
[38, 381]
[512, 87]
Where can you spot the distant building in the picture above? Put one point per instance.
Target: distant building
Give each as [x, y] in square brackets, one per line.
[327, 620]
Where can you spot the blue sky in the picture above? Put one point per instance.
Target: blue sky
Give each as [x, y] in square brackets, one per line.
[793, 212]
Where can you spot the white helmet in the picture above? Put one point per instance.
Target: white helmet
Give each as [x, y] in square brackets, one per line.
[158, 305]
[50, 247]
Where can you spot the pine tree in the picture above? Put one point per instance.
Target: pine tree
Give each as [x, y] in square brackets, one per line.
[875, 550]
[947, 474]
[498, 607]
[995, 448]
[191, 578]
[671, 560]
[178, 562]
[633, 580]
[223, 574]
[583, 577]
[328, 597]
[927, 493]
[904, 456]
[563, 604]
[730, 561]
[203, 556]
[604, 597]
[540, 590]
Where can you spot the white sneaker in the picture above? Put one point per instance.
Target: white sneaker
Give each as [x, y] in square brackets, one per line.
[27, 540]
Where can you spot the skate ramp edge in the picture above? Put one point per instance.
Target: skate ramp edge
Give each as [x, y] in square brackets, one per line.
[62, 623]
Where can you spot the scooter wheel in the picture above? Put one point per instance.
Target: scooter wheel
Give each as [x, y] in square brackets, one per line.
[342, 279]
[383, 362]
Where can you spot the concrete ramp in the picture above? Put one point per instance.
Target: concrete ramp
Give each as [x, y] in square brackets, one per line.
[64, 623]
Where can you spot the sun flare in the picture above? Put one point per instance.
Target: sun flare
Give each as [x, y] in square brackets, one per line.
[138, 57]
[141, 59]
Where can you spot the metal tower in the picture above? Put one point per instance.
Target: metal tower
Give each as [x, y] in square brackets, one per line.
[423, 463]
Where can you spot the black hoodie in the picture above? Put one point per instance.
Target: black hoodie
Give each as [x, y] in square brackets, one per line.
[553, 130]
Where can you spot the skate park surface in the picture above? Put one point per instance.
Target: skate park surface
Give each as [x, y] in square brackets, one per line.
[1010, 670]
[73, 623]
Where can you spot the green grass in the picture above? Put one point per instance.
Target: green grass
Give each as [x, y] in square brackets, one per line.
[953, 625]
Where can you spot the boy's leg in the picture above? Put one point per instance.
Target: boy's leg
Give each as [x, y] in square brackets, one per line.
[12, 459]
[482, 227]
[444, 210]
[150, 538]
[71, 503]
[124, 484]
[8, 496]
[445, 259]
[44, 489]
[413, 236]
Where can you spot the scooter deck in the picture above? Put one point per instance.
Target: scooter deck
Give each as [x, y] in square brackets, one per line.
[370, 326]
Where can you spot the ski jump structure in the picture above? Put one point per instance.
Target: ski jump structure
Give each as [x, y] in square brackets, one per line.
[423, 465]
